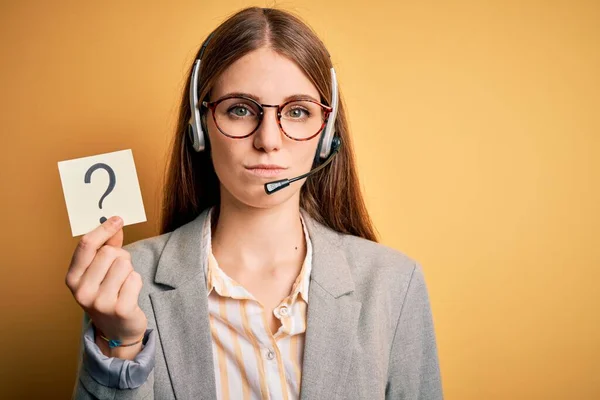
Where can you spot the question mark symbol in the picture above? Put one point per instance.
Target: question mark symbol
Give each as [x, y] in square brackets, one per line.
[111, 184]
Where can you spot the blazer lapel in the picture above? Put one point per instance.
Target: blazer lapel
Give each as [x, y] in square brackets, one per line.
[332, 316]
[182, 313]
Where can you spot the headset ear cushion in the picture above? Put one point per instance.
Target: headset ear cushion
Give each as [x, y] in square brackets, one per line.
[317, 160]
[205, 132]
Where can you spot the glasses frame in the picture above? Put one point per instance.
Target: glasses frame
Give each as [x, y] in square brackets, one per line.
[213, 105]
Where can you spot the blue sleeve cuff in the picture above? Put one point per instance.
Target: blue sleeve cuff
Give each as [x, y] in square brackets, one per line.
[116, 372]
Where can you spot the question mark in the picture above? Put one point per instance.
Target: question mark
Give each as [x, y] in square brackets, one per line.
[111, 184]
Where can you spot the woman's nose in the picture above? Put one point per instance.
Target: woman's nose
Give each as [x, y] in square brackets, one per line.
[268, 137]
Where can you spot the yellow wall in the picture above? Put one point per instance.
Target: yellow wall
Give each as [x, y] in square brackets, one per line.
[477, 132]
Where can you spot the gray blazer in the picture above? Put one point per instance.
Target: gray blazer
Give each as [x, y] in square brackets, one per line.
[369, 334]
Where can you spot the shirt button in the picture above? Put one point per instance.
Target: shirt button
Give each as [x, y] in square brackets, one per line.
[270, 354]
[283, 311]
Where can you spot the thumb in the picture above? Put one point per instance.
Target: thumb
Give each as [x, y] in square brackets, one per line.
[116, 239]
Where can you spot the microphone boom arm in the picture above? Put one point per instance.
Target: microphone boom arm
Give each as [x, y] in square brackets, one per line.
[274, 186]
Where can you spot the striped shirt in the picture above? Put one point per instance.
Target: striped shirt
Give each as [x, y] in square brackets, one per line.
[250, 362]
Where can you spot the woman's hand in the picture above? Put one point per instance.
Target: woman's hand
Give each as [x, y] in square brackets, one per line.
[105, 285]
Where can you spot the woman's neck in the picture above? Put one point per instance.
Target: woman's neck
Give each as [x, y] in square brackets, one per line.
[258, 239]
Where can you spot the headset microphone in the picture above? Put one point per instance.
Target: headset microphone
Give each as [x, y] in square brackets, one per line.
[274, 186]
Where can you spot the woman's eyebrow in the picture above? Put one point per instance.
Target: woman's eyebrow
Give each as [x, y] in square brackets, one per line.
[257, 99]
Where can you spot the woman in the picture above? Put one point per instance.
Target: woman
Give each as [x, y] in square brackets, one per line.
[255, 291]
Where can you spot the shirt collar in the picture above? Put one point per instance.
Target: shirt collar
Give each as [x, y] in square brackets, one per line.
[225, 286]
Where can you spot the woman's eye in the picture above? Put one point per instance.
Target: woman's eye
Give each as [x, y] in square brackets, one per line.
[298, 113]
[239, 111]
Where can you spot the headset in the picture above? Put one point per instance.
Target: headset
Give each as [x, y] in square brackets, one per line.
[329, 144]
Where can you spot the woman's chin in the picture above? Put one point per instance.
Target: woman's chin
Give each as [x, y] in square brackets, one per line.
[255, 196]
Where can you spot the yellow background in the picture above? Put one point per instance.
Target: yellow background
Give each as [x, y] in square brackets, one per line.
[476, 126]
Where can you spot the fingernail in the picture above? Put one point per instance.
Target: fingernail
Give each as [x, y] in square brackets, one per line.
[116, 221]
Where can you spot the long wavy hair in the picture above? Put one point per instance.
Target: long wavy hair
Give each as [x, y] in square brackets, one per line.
[332, 196]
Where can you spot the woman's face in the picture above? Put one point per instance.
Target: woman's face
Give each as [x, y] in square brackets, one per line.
[271, 78]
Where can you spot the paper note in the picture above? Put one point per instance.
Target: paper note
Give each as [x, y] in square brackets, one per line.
[99, 187]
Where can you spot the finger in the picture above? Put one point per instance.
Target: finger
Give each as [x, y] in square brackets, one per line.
[127, 301]
[116, 240]
[88, 246]
[114, 279]
[96, 272]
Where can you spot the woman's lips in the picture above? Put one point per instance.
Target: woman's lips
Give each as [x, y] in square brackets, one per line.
[266, 172]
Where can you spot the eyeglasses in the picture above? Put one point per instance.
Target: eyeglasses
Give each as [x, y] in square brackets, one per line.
[238, 117]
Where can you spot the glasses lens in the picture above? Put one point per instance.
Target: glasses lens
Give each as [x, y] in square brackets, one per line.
[237, 116]
[302, 119]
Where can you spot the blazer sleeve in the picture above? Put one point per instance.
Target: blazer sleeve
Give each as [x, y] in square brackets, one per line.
[101, 377]
[414, 372]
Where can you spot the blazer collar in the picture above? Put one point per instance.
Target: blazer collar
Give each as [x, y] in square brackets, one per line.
[184, 256]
